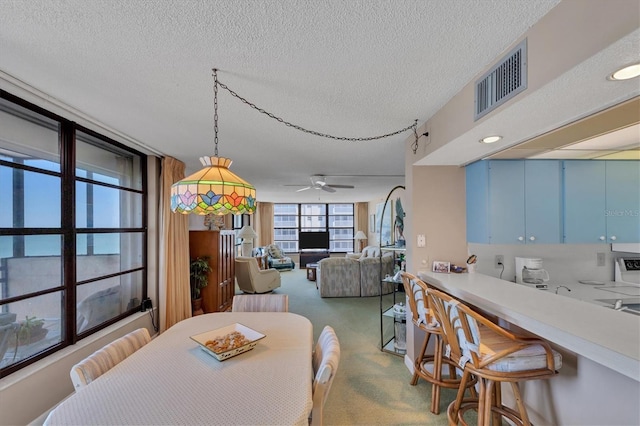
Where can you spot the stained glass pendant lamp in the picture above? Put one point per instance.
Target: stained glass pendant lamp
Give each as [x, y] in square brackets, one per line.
[215, 189]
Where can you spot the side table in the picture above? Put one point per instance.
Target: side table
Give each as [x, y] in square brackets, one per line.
[311, 271]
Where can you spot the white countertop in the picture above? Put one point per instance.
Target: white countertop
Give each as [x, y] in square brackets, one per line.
[608, 337]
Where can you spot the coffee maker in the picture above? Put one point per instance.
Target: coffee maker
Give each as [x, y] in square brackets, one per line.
[529, 272]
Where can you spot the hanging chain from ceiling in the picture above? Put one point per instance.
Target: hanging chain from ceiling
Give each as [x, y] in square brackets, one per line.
[217, 83]
[215, 111]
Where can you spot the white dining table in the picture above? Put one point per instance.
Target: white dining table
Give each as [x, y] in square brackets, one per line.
[171, 380]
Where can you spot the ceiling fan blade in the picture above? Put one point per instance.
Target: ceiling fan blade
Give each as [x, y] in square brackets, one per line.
[342, 186]
[327, 188]
[303, 189]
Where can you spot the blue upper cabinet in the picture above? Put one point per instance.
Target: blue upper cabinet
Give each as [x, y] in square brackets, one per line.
[514, 202]
[477, 192]
[553, 201]
[602, 201]
[543, 201]
[584, 202]
[623, 201]
[506, 202]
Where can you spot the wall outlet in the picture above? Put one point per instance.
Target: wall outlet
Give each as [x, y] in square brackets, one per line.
[600, 259]
[499, 261]
[422, 240]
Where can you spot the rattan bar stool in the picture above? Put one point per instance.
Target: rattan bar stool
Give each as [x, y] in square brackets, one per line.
[492, 355]
[429, 367]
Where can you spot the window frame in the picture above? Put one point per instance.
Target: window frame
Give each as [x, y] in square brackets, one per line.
[301, 226]
[68, 231]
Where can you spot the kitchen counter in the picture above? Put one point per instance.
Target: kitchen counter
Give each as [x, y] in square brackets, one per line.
[585, 327]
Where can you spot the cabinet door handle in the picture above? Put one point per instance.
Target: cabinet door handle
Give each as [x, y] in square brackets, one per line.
[613, 238]
[532, 238]
[520, 238]
[601, 238]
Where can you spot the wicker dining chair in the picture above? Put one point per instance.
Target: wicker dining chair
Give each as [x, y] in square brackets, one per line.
[493, 355]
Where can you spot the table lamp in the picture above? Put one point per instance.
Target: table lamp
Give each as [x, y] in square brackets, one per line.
[360, 237]
[247, 234]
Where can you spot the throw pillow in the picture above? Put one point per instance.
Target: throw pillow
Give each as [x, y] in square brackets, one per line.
[275, 252]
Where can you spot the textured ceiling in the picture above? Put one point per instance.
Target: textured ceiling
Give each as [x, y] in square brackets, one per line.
[351, 68]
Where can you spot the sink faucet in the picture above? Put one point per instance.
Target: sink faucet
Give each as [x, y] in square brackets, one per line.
[562, 286]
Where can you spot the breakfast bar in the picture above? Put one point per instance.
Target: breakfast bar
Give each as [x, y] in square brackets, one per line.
[599, 382]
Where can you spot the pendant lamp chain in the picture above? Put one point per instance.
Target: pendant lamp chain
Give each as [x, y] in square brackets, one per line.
[215, 111]
[302, 129]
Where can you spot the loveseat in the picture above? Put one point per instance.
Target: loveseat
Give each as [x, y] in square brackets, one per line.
[353, 276]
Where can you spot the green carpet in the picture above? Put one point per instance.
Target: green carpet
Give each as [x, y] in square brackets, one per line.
[371, 387]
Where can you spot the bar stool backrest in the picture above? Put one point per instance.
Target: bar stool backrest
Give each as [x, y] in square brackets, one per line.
[417, 299]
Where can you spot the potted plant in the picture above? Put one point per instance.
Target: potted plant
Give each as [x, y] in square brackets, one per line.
[199, 273]
[31, 330]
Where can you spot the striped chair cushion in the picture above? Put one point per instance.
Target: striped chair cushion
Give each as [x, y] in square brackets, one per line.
[106, 358]
[260, 303]
[530, 358]
[485, 343]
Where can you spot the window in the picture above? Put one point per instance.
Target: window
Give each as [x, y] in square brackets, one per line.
[337, 219]
[285, 226]
[341, 227]
[72, 233]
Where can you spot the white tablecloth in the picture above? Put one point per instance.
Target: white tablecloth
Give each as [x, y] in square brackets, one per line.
[172, 381]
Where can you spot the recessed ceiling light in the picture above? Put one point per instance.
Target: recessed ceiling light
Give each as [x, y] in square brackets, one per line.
[490, 139]
[626, 73]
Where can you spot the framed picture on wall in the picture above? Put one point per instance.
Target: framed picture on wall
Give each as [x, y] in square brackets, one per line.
[439, 266]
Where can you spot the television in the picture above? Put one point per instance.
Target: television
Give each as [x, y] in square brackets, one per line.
[313, 240]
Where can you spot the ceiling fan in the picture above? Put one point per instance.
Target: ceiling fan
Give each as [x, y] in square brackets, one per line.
[319, 182]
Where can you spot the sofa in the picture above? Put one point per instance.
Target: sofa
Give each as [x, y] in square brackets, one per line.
[355, 276]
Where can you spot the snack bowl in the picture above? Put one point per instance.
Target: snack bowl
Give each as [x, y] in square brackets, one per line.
[252, 336]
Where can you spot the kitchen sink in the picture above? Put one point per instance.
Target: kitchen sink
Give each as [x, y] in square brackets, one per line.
[630, 305]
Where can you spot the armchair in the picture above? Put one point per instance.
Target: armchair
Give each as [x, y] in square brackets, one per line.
[252, 279]
[277, 260]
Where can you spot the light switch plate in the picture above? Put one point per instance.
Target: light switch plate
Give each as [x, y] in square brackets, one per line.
[422, 240]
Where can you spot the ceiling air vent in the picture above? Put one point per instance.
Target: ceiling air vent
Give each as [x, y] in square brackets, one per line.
[502, 82]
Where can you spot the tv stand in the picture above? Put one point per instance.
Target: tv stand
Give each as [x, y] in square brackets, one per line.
[312, 256]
